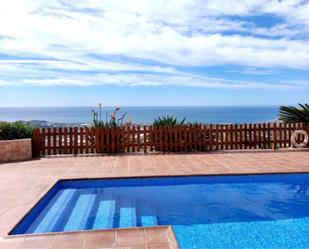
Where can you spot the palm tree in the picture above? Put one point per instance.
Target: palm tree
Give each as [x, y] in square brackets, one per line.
[291, 114]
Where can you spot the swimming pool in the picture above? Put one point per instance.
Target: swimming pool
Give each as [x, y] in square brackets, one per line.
[249, 211]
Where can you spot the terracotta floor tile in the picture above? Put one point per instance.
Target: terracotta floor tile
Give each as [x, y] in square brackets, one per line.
[69, 241]
[171, 235]
[156, 235]
[15, 243]
[160, 239]
[174, 245]
[163, 246]
[130, 237]
[136, 247]
[39, 242]
[100, 239]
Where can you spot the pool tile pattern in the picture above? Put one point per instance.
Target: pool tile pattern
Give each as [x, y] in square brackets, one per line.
[22, 184]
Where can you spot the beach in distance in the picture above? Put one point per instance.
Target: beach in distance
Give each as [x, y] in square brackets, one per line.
[143, 115]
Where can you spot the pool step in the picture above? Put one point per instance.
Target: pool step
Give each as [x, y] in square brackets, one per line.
[147, 214]
[78, 217]
[50, 215]
[127, 213]
[105, 211]
[74, 209]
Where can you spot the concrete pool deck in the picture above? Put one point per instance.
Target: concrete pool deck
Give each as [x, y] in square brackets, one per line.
[22, 184]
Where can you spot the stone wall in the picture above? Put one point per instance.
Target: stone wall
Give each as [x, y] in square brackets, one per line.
[15, 150]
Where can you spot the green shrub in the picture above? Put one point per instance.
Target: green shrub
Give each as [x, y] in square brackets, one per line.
[195, 123]
[169, 121]
[111, 121]
[15, 130]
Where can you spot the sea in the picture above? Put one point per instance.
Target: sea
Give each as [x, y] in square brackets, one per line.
[144, 115]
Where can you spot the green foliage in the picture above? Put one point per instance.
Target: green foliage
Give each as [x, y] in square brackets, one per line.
[169, 121]
[195, 123]
[111, 121]
[291, 114]
[15, 130]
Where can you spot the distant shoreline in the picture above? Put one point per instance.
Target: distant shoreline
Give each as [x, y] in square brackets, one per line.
[68, 116]
[47, 124]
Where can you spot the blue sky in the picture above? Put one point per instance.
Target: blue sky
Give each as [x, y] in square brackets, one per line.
[177, 52]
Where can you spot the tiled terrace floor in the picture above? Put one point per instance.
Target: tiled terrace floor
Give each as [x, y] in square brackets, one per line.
[23, 183]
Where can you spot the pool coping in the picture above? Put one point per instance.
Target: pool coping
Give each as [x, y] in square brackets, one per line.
[150, 236]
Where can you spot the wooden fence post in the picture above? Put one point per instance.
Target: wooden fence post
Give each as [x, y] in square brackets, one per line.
[54, 141]
[113, 140]
[210, 137]
[97, 140]
[145, 138]
[75, 141]
[36, 143]
[274, 136]
[307, 124]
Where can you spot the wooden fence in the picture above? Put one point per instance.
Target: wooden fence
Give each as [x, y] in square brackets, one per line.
[82, 140]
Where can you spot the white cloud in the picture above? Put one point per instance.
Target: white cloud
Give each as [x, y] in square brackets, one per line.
[80, 65]
[255, 71]
[150, 79]
[175, 33]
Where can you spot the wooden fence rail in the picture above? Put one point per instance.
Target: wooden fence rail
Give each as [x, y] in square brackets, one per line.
[82, 140]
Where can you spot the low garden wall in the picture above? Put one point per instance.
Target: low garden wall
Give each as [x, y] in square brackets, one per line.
[15, 150]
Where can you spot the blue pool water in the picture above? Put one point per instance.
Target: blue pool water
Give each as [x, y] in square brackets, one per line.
[256, 211]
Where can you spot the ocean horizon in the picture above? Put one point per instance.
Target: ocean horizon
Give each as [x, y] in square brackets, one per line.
[145, 114]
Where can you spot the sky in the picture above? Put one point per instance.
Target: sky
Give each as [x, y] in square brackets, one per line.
[154, 53]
